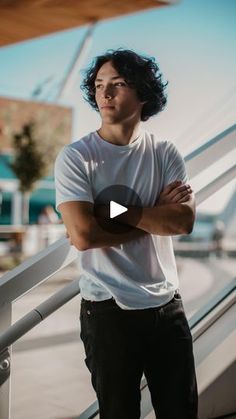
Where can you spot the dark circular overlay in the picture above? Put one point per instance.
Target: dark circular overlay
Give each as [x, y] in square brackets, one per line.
[122, 195]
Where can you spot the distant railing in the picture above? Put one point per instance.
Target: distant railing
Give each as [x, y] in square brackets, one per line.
[208, 153]
[46, 263]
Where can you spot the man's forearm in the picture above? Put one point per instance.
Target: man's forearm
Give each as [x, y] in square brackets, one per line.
[164, 220]
[107, 233]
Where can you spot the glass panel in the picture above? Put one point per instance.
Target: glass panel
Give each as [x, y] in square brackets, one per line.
[206, 258]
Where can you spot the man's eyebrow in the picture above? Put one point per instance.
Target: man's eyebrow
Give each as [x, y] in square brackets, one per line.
[112, 78]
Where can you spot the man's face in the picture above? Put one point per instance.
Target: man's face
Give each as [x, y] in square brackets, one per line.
[117, 102]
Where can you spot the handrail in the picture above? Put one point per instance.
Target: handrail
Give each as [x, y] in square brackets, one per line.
[216, 185]
[208, 153]
[35, 270]
[213, 310]
[38, 314]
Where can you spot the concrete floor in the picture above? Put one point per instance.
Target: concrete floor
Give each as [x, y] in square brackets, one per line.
[49, 378]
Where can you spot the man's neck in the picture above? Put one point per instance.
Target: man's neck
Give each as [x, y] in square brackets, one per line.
[119, 134]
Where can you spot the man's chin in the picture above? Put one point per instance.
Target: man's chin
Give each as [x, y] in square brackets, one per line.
[110, 120]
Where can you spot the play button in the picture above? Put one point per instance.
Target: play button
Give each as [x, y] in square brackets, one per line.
[114, 201]
[116, 209]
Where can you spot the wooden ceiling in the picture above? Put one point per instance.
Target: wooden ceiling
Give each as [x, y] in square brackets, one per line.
[25, 19]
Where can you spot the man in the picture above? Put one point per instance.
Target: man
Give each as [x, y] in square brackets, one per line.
[132, 317]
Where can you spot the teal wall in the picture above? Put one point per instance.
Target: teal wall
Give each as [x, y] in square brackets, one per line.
[38, 199]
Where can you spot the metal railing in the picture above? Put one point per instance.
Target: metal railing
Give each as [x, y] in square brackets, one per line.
[208, 153]
[38, 314]
[46, 263]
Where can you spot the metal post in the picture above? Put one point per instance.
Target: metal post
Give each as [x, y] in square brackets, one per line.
[5, 358]
[79, 56]
[16, 208]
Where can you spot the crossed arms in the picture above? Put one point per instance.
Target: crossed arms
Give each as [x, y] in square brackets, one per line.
[173, 214]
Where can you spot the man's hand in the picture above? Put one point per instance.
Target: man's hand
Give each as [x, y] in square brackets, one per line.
[173, 213]
[175, 192]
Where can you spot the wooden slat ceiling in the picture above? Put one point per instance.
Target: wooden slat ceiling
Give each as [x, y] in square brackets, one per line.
[25, 19]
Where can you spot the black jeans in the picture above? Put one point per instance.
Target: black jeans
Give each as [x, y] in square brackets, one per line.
[121, 345]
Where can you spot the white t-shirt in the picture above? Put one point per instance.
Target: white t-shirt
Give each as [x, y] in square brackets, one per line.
[140, 273]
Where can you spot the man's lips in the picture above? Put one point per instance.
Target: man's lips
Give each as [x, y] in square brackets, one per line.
[107, 107]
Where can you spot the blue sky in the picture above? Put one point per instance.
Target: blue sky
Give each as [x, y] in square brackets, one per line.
[193, 42]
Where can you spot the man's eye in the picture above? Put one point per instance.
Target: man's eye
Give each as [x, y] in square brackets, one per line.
[98, 86]
[120, 83]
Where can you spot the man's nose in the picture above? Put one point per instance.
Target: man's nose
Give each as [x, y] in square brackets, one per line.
[107, 92]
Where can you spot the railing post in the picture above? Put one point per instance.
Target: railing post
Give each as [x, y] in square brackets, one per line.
[5, 357]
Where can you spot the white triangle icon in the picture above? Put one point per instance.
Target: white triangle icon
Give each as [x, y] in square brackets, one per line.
[116, 209]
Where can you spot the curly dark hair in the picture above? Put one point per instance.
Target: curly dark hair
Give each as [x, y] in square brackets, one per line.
[140, 72]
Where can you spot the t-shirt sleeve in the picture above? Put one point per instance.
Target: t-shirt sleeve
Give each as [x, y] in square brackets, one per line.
[71, 180]
[174, 166]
